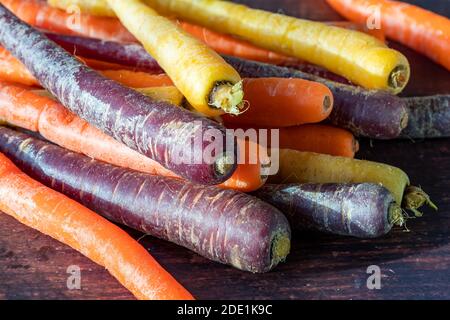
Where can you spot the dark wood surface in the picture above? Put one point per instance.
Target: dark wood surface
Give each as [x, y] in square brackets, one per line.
[414, 264]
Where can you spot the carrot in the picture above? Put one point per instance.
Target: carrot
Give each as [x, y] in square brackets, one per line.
[376, 33]
[429, 117]
[102, 65]
[156, 129]
[223, 225]
[363, 210]
[34, 111]
[320, 139]
[228, 45]
[420, 29]
[65, 220]
[40, 15]
[13, 70]
[307, 167]
[209, 84]
[358, 57]
[293, 101]
[164, 94]
[124, 54]
[137, 79]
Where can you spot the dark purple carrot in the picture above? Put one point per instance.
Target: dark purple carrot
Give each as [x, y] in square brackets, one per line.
[361, 210]
[223, 225]
[429, 117]
[370, 113]
[128, 54]
[317, 71]
[165, 133]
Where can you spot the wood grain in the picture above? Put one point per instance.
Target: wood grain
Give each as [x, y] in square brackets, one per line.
[414, 264]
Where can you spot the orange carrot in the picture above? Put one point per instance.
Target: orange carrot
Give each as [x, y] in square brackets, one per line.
[39, 14]
[279, 102]
[67, 221]
[26, 109]
[13, 70]
[137, 79]
[420, 29]
[319, 139]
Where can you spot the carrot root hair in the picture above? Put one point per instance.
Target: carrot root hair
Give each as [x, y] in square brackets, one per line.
[415, 198]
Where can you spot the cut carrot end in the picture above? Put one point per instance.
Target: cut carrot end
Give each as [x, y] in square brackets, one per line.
[398, 78]
[225, 165]
[281, 245]
[327, 103]
[227, 97]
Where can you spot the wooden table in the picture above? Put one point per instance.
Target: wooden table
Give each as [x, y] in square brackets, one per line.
[414, 264]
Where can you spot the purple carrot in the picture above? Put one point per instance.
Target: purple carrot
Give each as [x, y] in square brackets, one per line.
[127, 54]
[360, 210]
[429, 117]
[168, 134]
[374, 114]
[223, 225]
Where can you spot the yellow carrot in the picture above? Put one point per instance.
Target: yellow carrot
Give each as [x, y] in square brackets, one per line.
[308, 167]
[357, 56]
[209, 84]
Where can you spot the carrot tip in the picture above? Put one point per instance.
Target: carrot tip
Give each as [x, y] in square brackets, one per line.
[227, 97]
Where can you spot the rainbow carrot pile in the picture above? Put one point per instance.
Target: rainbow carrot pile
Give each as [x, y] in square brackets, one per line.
[218, 137]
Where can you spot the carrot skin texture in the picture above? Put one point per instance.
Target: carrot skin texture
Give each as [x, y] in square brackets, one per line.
[63, 219]
[152, 128]
[221, 225]
[358, 210]
[429, 117]
[369, 113]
